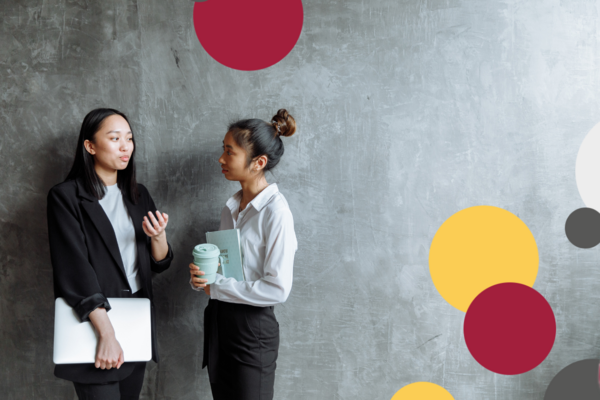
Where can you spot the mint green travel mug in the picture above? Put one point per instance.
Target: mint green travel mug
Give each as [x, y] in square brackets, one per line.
[207, 257]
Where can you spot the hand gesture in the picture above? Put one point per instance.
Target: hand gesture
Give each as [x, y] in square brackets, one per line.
[154, 227]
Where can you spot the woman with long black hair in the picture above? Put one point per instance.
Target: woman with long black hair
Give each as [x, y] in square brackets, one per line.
[241, 333]
[106, 238]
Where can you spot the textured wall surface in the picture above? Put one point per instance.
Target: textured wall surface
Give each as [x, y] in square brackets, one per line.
[408, 112]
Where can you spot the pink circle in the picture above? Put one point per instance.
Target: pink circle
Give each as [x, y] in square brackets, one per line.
[509, 328]
[248, 35]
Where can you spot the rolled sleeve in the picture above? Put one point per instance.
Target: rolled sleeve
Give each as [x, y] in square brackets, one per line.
[75, 279]
[89, 304]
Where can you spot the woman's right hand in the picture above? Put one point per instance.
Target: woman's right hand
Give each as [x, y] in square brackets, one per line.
[109, 354]
[197, 282]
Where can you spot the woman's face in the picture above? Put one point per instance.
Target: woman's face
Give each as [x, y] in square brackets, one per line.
[113, 144]
[233, 160]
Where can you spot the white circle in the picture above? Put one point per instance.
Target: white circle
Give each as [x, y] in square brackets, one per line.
[587, 169]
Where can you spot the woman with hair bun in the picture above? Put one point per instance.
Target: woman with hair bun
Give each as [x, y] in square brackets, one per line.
[241, 333]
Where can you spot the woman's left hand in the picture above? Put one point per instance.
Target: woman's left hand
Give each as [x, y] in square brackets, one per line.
[155, 227]
[197, 280]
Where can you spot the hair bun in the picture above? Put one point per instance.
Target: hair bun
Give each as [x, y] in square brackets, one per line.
[284, 123]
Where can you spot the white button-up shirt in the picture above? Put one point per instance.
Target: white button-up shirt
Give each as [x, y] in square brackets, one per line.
[269, 244]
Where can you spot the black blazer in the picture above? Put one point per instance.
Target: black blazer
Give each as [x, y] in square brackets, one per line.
[87, 264]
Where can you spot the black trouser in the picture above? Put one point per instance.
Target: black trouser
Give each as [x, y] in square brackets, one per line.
[127, 389]
[241, 347]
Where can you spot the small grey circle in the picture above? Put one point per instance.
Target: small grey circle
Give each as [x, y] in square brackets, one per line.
[583, 228]
[577, 381]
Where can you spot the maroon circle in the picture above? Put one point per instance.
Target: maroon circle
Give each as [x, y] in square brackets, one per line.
[509, 328]
[248, 35]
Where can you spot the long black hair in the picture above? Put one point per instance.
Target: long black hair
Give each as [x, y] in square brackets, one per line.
[83, 165]
[259, 137]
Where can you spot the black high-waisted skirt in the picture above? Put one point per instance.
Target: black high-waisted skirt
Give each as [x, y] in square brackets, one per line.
[241, 343]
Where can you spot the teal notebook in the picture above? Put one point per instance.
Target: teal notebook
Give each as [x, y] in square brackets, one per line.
[228, 241]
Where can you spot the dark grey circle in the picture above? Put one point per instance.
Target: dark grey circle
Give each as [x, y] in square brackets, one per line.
[578, 381]
[583, 228]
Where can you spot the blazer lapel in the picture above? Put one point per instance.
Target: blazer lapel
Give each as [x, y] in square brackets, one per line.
[96, 213]
[137, 213]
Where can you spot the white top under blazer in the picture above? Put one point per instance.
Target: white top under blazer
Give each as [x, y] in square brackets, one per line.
[113, 205]
[269, 244]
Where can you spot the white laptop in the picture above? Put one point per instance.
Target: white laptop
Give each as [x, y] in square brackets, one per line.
[75, 342]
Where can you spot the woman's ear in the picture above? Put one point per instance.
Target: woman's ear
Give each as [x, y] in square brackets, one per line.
[261, 162]
[89, 146]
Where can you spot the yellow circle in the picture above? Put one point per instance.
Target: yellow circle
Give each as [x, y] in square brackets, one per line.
[479, 247]
[422, 391]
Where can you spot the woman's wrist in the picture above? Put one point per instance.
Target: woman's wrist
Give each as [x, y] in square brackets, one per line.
[99, 319]
[106, 334]
[161, 237]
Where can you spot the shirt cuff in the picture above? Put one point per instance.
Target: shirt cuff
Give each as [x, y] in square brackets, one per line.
[214, 288]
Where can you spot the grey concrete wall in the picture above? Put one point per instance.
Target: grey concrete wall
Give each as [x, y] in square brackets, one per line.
[408, 112]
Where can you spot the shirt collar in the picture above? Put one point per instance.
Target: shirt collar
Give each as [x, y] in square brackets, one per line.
[259, 202]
